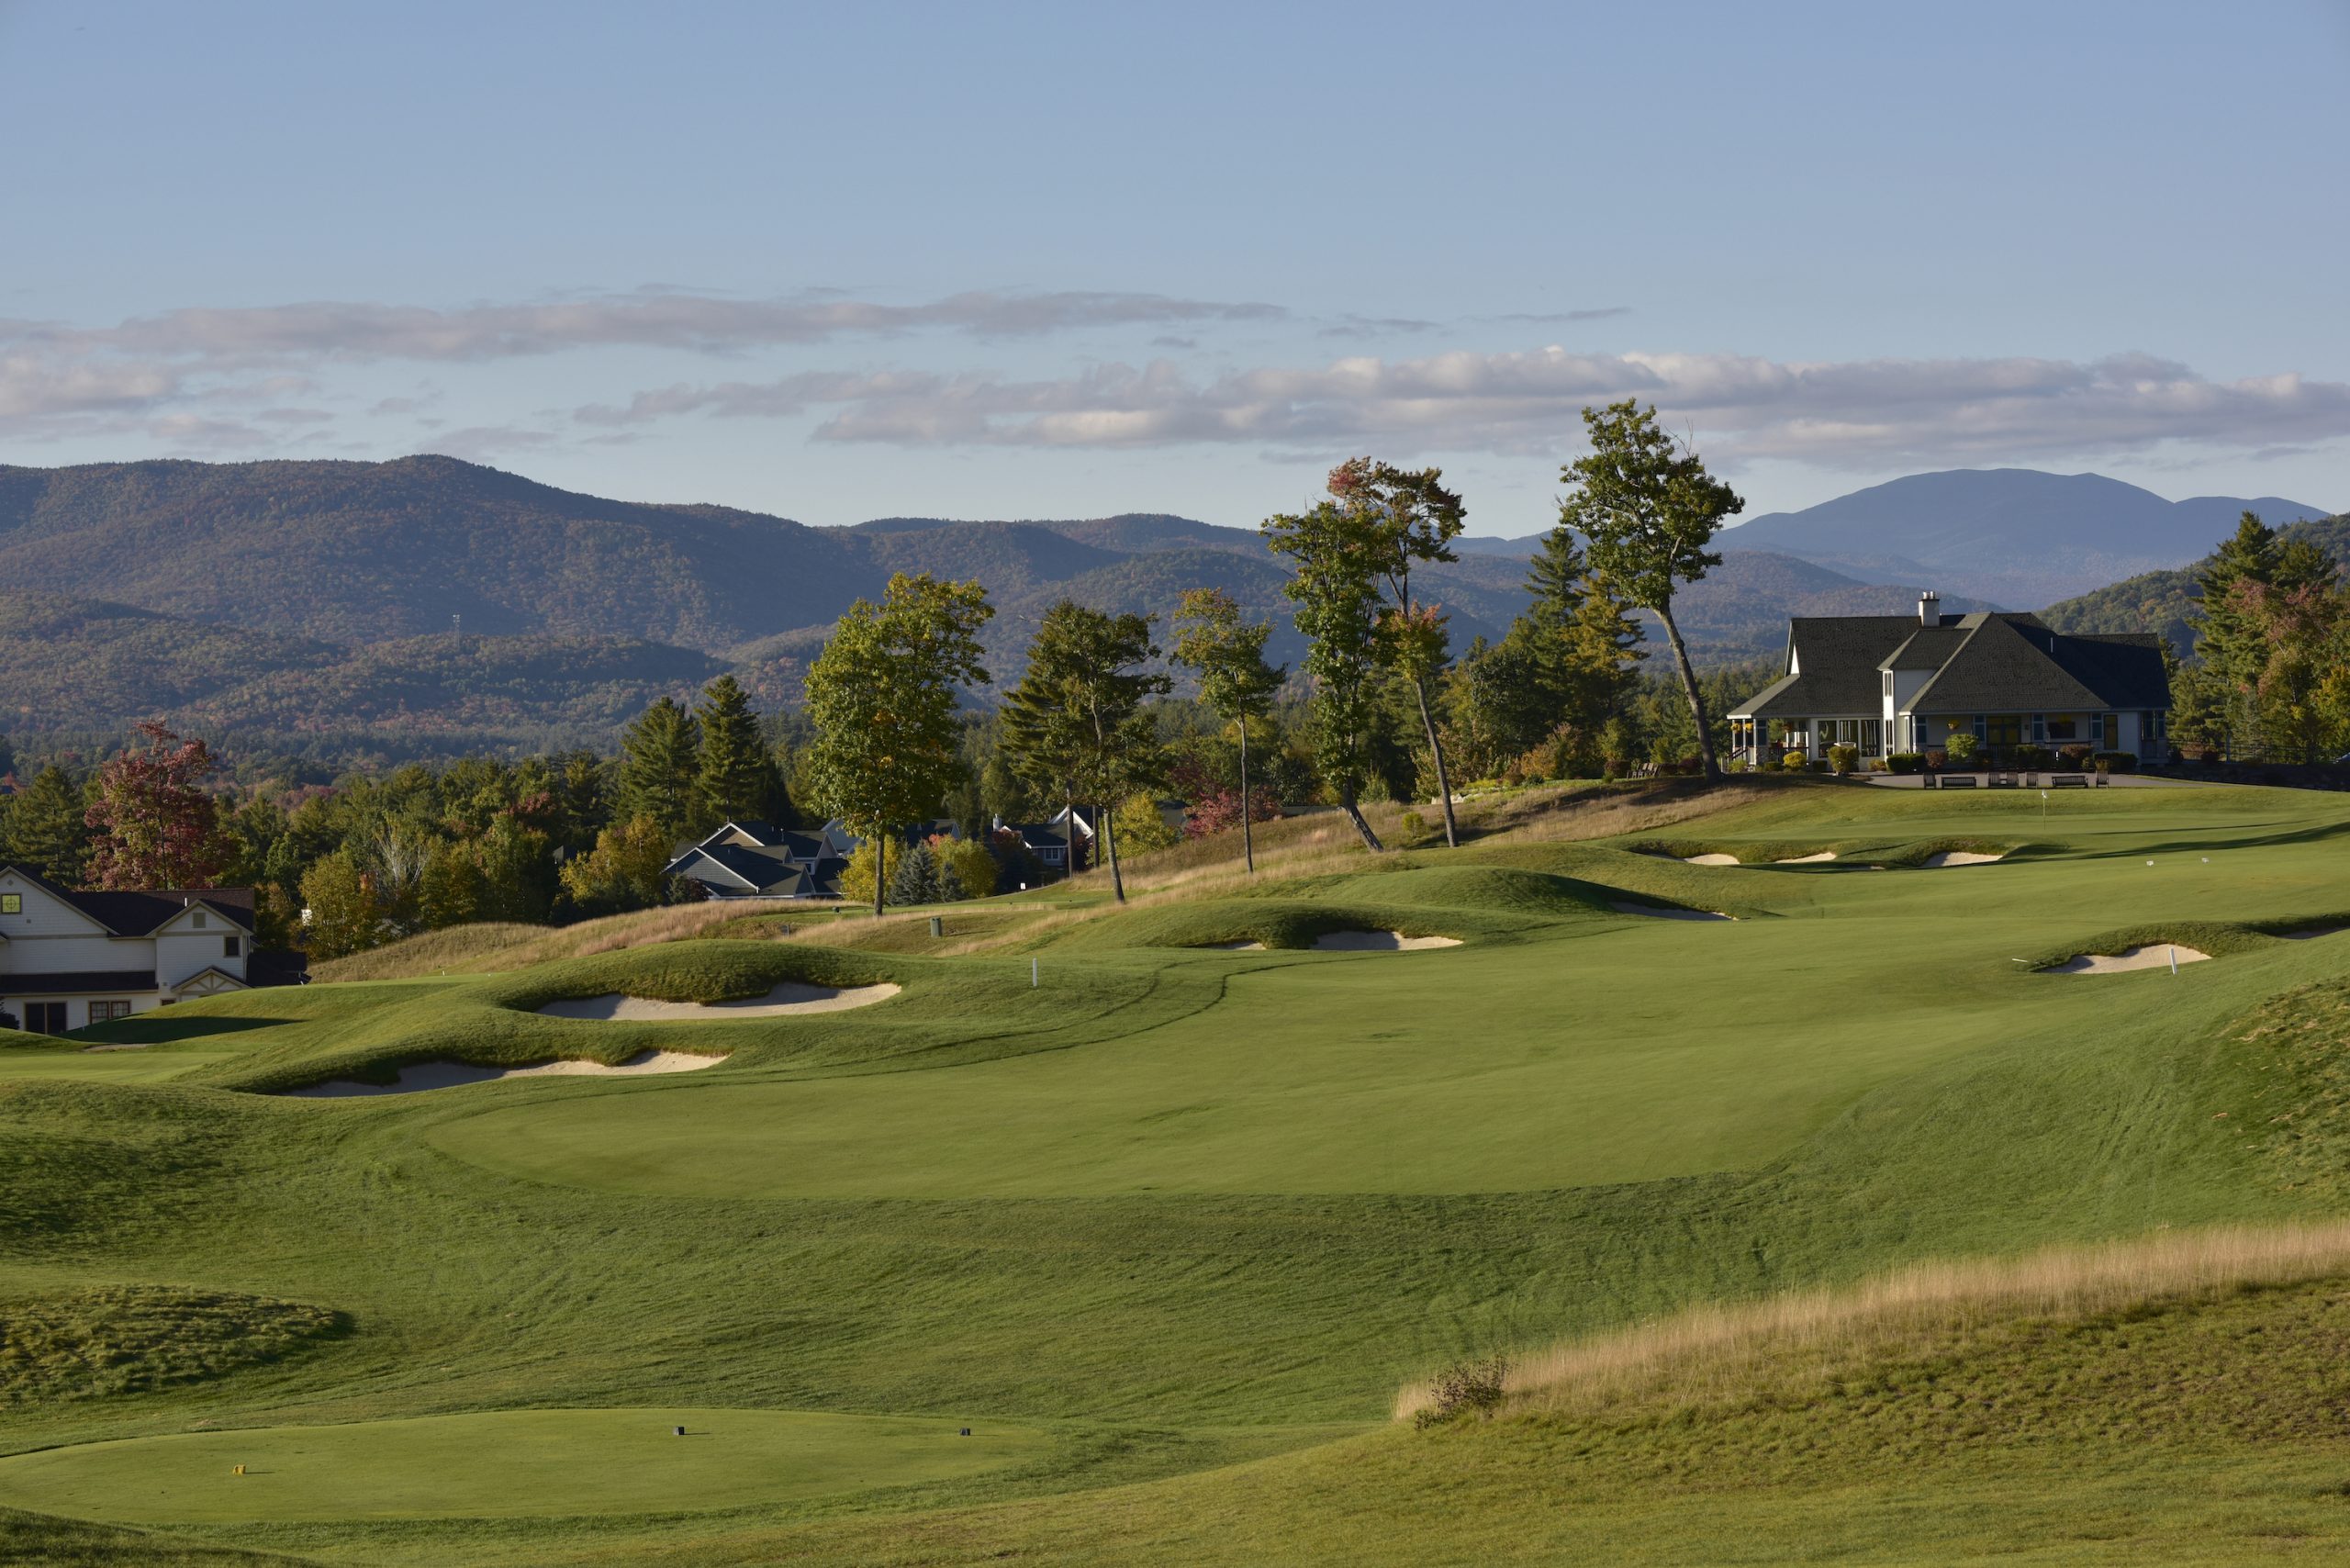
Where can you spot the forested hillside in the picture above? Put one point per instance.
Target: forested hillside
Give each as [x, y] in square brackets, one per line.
[315, 600]
[2163, 601]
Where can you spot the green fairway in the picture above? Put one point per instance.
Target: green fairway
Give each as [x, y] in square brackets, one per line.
[1633, 1050]
[1195, 1213]
[506, 1463]
[104, 1067]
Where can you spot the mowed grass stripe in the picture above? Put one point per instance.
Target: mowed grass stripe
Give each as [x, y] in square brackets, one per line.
[507, 1463]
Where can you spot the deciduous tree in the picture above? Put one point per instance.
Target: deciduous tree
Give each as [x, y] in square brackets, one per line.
[1227, 656]
[1649, 507]
[1332, 583]
[153, 825]
[882, 698]
[1408, 519]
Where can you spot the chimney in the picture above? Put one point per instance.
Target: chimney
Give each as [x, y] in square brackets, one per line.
[1930, 608]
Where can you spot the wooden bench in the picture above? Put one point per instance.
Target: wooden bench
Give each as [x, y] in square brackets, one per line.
[1958, 781]
[2068, 781]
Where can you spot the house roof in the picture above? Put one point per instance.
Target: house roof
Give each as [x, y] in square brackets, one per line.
[99, 980]
[2016, 663]
[140, 913]
[1983, 662]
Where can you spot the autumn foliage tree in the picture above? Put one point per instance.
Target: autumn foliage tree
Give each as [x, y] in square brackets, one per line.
[153, 825]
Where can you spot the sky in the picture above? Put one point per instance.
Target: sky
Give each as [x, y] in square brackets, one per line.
[1025, 261]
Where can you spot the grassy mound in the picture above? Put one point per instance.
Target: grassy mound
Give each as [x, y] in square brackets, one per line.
[136, 1338]
[2217, 937]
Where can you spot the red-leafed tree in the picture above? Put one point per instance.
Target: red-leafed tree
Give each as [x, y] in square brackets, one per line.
[153, 825]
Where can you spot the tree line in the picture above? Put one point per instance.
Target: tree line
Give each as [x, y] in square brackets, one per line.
[2270, 679]
[888, 743]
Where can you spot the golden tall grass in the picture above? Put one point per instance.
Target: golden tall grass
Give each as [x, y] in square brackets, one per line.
[1716, 1354]
[490, 946]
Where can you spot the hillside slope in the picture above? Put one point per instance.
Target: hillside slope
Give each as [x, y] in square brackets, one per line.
[2015, 535]
[2163, 601]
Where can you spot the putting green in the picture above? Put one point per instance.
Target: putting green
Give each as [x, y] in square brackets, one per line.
[505, 1463]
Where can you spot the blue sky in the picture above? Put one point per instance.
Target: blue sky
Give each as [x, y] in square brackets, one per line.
[1036, 260]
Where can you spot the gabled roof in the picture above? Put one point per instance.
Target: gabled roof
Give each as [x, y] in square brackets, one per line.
[214, 969]
[2003, 666]
[1981, 663]
[1834, 662]
[141, 914]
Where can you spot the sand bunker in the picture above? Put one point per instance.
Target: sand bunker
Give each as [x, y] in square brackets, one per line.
[1656, 911]
[1379, 942]
[2157, 957]
[1709, 860]
[1806, 859]
[88, 1050]
[1960, 857]
[430, 1075]
[784, 1000]
[1238, 946]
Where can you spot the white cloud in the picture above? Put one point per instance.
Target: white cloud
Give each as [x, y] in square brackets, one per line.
[1859, 414]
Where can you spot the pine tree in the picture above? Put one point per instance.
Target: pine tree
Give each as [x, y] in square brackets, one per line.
[661, 768]
[917, 879]
[737, 776]
[1076, 716]
[46, 827]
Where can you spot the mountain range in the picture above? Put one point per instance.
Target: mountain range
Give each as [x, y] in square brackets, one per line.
[427, 604]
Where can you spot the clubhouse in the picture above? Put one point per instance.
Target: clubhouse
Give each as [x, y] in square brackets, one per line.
[1894, 683]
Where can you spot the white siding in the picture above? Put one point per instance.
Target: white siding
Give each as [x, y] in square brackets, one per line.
[42, 915]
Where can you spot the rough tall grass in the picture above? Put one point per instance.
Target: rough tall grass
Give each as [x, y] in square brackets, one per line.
[489, 948]
[1727, 1354]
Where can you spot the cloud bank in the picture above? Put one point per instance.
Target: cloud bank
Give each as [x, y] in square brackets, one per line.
[1859, 414]
[250, 379]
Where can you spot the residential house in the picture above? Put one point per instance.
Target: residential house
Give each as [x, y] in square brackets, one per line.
[1062, 842]
[1898, 683]
[67, 960]
[749, 858]
[755, 859]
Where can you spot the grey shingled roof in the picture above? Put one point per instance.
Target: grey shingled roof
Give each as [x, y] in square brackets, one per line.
[1836, 658]
[1983, 663]
[1928, 647]
[2005, 668]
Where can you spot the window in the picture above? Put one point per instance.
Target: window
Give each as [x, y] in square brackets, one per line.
[2001, 728]
[108, 1012]
[1872, 737]
[232, 947]
[199, 923]
[45, 1017]
[2063, 727]
[12, 904]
